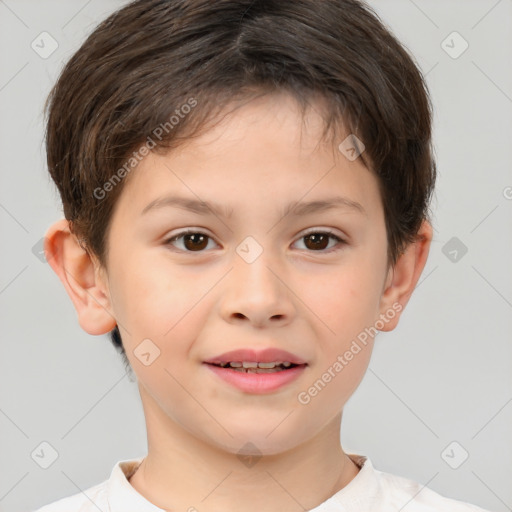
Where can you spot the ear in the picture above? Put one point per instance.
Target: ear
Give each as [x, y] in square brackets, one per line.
[403, 277]
[82, 277]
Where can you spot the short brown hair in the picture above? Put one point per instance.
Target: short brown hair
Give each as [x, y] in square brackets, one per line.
[147, 60]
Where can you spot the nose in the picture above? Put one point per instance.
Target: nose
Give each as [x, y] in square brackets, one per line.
[258, 293]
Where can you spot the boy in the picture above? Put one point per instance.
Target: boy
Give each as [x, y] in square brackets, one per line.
[246, 188]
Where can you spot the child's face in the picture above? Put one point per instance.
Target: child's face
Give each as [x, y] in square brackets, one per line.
[310, 300]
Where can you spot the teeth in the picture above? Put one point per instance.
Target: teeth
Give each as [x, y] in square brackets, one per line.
[254, 364]
[259, 370]
[267, 365]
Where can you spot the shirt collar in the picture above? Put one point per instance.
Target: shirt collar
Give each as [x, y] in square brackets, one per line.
[360, 491]
[121, 496]
[359, 494]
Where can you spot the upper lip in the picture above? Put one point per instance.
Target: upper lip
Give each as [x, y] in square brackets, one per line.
[267, 355]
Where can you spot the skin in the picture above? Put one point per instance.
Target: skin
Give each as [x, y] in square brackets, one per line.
[195, 305]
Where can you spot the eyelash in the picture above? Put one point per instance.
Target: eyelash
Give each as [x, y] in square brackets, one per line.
[340, 241]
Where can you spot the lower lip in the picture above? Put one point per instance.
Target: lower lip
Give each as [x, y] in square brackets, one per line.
[257, 383]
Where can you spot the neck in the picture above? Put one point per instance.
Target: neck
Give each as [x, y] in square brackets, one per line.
[182, 472]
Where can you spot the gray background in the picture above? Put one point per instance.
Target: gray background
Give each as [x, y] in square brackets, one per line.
[443, 375]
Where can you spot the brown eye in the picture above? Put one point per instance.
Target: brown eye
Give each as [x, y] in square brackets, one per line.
[193, 241]
[319, 241]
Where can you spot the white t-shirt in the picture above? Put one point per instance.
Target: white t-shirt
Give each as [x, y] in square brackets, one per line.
[369, 491]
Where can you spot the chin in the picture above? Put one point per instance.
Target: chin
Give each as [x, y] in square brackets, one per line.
[256, 443]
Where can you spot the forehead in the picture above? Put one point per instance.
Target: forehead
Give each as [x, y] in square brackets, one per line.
[265, 144]
[302, 125]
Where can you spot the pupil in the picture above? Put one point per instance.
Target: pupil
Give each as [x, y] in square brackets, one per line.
[317, 240]
[195, 238]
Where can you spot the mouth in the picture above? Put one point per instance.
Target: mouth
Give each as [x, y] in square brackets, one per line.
[257, 371]
[257, 378]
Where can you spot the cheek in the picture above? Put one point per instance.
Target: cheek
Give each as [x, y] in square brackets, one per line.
[151, 299]
[350, 307]
[345, 297]
[163, 314]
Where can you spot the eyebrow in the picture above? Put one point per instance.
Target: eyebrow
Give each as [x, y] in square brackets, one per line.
[193, 205]
[295, 208]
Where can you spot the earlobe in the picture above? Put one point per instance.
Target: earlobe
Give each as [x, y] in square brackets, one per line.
[78, 273]
[403, 277]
